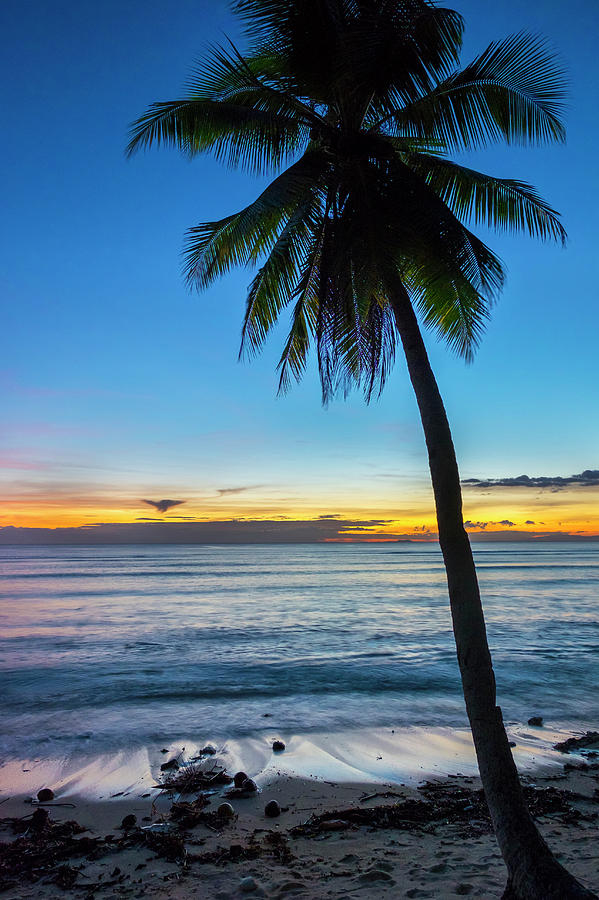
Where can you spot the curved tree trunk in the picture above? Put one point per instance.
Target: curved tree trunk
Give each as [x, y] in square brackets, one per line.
[533, 871]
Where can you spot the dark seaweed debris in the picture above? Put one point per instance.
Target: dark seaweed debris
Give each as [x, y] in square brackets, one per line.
[588, 741]
[443, 805]
[169, 845]
[192, 778]
[41, 848]
[188, 815]
[274, 845]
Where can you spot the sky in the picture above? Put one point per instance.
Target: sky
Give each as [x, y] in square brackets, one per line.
[119, 386]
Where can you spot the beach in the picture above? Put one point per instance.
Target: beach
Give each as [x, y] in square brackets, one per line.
[427, 835]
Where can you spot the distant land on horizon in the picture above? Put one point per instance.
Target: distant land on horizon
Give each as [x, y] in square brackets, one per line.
[254, 531]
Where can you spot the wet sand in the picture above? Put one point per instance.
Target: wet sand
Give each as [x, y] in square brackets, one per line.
[399, 755]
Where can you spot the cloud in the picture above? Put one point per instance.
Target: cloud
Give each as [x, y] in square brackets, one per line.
[237, 490]
[588, 478]
[529, 522]
[367, 523]
[329, 516]
[482, 525]
[163, 505]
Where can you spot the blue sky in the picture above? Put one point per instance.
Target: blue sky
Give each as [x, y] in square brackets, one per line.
[116, 380]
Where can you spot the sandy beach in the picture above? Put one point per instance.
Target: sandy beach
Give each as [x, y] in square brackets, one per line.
[423, 833]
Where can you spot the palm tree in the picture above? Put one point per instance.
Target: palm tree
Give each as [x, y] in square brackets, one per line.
[355, 106]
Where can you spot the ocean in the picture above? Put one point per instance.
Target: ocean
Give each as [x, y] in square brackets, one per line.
[112, 646]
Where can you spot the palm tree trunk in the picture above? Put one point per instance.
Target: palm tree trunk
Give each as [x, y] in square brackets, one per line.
[533, 871]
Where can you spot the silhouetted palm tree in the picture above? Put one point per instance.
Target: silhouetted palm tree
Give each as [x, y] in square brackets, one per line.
[355, 106]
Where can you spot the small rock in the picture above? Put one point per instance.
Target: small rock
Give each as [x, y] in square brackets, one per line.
[225, 811]
[239, 778]
[208, 750]
[278, 746]
[45, 795]
[537, 721]
[171, 764]
[272, 809]
[248, 884]
[129, 822]
[511, 743]
[249, 785]
[164, 750]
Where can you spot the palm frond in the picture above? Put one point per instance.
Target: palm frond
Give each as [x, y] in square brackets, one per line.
[514, 91]
[452, 275]
[258, 80]
[502, 203]
[451, 308]
[304, 319]
[397, 52]
[255, 140]
[275, 283]
[213, 248]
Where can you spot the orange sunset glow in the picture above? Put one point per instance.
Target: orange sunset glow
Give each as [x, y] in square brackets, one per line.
[499, 512]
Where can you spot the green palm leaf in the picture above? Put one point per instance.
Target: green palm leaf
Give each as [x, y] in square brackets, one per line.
[514, 91]
[304, 319]
[502, 203]
[275, 283]
[213, 248]
[255, 140]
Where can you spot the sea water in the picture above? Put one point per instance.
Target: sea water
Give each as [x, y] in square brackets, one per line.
[110, 646]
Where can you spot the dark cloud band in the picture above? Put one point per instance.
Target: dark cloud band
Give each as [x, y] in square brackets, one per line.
[588, 478]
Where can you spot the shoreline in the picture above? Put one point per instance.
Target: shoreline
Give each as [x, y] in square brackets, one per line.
[400, 755]
[437, 854]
